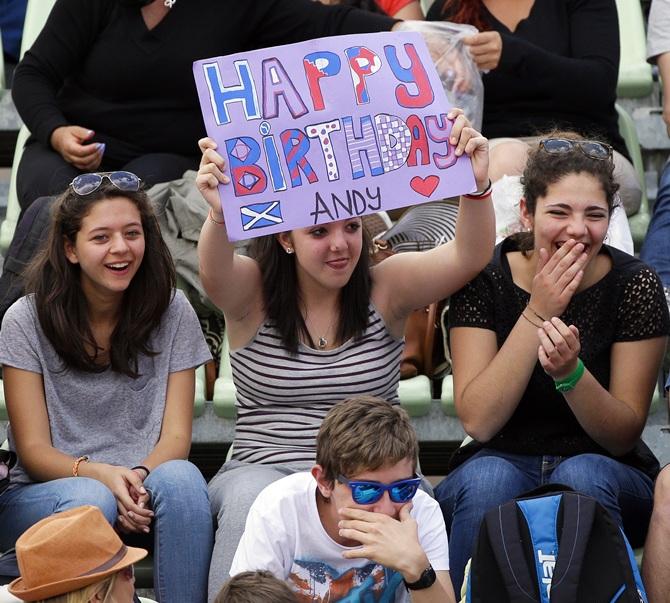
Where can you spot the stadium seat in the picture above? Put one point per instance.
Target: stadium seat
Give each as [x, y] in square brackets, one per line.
[223, 399]
[447, 397]
[2, 64]
[37, 12]
[415, 395]
[635, 78]
[200, 396]
[3, 408]
[144, 573]
[8, 225]
[640, 221]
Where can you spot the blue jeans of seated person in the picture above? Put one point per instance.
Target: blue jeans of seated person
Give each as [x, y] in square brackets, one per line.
[490, 478]
[182, 528]
[656, 248]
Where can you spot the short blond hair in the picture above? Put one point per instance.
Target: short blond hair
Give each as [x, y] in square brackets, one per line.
[255, 587]
[364, 433]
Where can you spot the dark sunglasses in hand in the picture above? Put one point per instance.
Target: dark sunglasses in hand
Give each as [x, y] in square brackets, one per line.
[366, 492]
[591, 148]
[85, 184]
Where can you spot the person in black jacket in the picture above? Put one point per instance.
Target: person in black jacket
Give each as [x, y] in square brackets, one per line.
[547, 64]
[108, 84]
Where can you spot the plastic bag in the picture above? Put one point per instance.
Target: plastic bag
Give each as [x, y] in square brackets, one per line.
[458, 72]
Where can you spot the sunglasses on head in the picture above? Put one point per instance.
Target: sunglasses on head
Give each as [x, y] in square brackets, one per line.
[367, 492]
[85, 184]
[590, 148]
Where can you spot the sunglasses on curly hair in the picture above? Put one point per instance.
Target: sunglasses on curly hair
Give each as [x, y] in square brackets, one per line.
[366, 492]
[85, 184]
[591, 148]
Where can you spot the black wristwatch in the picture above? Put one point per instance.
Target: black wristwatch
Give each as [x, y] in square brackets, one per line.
[426, 580]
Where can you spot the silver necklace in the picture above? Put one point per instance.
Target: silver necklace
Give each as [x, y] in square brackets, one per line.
[169, 3]
[322, 341]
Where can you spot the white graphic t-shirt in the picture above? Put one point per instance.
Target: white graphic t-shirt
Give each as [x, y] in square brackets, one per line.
[285, 536]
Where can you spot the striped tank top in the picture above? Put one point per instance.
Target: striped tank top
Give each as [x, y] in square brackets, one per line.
[282, 399]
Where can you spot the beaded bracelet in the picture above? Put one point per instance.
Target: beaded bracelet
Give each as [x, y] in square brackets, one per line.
[75, 466]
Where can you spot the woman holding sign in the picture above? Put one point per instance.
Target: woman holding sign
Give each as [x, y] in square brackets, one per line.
[309, 322]
[556, 349]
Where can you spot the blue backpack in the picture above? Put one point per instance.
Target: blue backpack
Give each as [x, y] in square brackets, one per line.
[553, 545]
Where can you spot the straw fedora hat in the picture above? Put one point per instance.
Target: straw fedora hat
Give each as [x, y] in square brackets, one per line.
[67, 551]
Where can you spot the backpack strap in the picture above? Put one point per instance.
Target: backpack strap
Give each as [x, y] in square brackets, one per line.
[541, 515]
[578, 514]
[502, 525]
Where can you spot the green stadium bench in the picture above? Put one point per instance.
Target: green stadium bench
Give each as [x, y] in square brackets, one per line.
[37, 12]
[635, 77]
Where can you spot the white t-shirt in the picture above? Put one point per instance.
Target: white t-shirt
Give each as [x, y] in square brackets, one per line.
[285, 536]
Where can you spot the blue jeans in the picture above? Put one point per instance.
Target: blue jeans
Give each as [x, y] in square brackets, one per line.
[490, 478]
[656, 248]
[182, 528]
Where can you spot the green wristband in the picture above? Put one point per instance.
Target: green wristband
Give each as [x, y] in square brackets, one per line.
[568, 384]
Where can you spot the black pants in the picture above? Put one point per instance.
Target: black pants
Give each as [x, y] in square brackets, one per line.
[43, 172]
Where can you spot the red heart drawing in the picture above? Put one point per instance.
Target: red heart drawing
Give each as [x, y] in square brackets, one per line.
[424, 186]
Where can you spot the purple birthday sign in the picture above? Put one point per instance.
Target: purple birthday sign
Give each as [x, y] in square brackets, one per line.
[328, 129]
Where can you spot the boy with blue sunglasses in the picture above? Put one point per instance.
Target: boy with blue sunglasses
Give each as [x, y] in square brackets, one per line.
[355, 528]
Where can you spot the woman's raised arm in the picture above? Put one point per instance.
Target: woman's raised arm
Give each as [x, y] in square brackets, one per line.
[232, 281]
[408, 281]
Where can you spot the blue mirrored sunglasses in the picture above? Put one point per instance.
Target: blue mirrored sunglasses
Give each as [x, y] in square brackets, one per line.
[366, 492]
[85, 184]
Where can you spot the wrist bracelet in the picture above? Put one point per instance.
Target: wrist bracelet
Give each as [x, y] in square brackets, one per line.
[568, 383]
[75, 465]
[145, 469]
[483, 195]
[542, 318]
[210, 216]
[530, 321]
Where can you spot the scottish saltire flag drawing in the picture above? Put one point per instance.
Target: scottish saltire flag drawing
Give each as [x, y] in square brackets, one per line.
[328, 129]
[260, 215]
